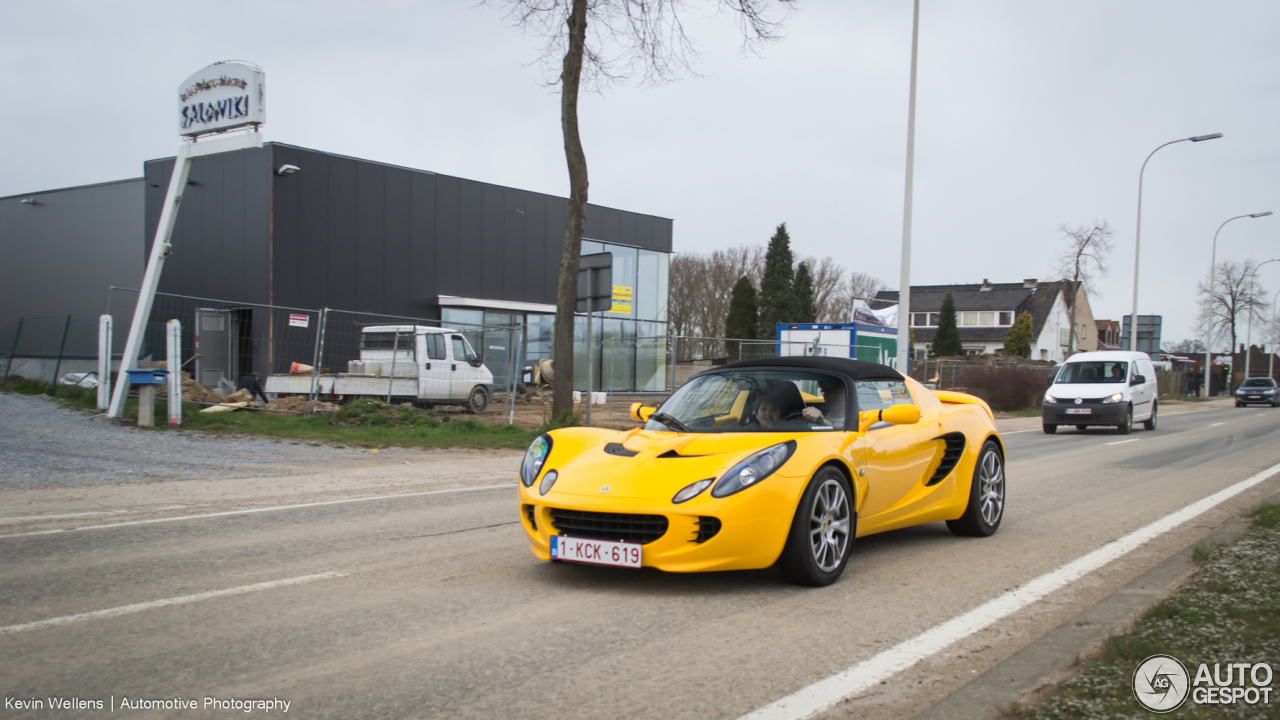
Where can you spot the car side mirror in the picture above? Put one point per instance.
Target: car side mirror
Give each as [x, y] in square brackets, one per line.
[1137, 380]
[897, 415]
[640, 413]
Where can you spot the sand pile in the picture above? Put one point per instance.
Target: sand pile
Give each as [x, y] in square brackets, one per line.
[299, 403]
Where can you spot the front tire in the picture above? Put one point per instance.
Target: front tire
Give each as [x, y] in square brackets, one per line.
[1150, 423]
[985, 510]
[1127, 426]
[822, 531]
[478, 401]
[1050, 428]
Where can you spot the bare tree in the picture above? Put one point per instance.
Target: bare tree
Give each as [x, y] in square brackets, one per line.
[1082, 262]
[857, 286]
[1235, 299]
[605, 42]
[828, 288]
[1183, 347]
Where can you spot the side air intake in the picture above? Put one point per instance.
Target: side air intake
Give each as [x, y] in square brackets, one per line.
[950, 456]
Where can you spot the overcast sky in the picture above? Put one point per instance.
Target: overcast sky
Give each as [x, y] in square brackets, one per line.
[1029, 115]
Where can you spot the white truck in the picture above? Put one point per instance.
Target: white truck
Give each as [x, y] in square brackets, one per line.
[431, 364]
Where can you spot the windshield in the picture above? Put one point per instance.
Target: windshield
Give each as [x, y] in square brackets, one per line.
[754, 401]
[1259, 382]
[1092, 373]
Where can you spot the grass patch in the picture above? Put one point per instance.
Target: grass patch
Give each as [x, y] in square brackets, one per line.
[1228, 612]
[361, 424]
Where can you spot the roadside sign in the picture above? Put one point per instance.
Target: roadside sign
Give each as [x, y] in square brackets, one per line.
[299, 321]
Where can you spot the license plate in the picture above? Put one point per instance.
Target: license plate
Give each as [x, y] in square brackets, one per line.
[1255, 397]
[595, 552]
[1079, 411]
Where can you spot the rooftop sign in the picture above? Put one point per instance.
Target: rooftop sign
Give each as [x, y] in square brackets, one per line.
[222, 96]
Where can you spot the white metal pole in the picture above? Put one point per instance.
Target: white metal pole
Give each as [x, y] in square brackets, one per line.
[104, 362]
[904, 293]
[173, 357]
[1248, 342]
[151, 280]
[590, 350]
[1271, 360]
[1213, 269]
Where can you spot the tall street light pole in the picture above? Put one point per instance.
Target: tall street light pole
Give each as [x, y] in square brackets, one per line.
[1137, 243]
[1213, 269]
[904, 294]
[1271, 358]
[1248, 341]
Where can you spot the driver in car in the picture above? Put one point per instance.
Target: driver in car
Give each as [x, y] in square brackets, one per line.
[833, 405]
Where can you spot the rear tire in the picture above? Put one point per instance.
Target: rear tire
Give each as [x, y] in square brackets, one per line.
[1050, 428]
[1150, 423]
[822, 531]
[985, 510]
[1127, 426]
[478, 401]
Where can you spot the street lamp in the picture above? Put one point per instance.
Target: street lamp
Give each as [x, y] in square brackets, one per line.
[1133, 328]
[1248, 341]
[905, 351]
[1213, 269]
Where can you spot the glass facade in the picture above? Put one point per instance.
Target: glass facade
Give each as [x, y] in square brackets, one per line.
[629, 347]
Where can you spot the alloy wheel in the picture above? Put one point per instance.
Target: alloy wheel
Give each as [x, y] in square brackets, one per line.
[829, 525]
[991, 487]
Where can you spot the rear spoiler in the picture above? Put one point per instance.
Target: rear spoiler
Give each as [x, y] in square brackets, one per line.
[956, 398]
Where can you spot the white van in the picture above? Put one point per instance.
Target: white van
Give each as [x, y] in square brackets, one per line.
[1102, 388]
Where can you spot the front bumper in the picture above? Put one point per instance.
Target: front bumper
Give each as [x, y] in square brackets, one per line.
[753, 525]
[1255, 399]
[1099, 413]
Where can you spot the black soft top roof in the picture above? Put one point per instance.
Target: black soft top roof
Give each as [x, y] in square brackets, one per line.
[856, 369]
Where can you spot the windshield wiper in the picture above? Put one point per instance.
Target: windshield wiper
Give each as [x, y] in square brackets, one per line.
[669, 421]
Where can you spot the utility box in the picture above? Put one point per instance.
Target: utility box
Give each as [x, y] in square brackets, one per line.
[857, 341]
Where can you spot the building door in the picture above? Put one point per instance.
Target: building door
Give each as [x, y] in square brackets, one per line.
[213, 346]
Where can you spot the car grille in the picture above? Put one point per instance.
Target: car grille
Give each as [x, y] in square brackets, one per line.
[531, 516]
[707, 529]
[609, 526]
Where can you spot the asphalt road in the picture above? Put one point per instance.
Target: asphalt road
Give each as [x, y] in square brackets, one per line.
[432, 606]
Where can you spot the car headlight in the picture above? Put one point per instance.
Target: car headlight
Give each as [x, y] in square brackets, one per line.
[1050, 399]
[754, 469]
[1113, 398]
[689, 492]
[547, 481]
[534, 458]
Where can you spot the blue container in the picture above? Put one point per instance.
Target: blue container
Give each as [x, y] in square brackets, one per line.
[148, 376]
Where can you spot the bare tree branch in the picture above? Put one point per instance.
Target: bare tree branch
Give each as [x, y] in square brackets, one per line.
[1234, 300]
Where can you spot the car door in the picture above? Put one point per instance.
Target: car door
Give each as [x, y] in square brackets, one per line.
[897, 456]
[435, 373]
[1142, 393]
[462, 375]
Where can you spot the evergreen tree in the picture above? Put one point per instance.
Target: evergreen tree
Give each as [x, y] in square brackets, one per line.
[1018, 341]
[946, 341]
[743, 316]
[777, 298]
[805, 310]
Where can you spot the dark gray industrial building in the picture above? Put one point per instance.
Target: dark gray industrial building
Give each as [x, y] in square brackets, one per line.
[299, 228]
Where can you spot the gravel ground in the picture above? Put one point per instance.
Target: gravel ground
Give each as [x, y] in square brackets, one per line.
[43, 444]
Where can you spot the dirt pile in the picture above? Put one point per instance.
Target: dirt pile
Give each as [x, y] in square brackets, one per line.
[376, 413]
[300, 404]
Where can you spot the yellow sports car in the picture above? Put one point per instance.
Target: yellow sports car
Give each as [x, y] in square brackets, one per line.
[782, 461]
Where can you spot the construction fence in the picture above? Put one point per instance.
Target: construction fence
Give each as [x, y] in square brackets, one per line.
[39, 348]
[224, 341]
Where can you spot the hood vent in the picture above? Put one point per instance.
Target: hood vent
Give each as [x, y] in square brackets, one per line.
[620, 450]
[674, 454]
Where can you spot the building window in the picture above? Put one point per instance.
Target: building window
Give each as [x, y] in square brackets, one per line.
[1006, 318]
[1083, 328]
[987, 319]
[919, 319]
[934, 319]
[1062, 336]
[969, 319]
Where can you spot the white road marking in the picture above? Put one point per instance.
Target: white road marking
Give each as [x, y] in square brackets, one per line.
[1015, 432]
[180, 600]
[824, 694]
[1216, 424]
[254, 510]
[1121, 442]
[86, 513]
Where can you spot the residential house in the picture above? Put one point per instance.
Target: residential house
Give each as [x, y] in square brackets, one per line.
[1108, 334]
[986, 311]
